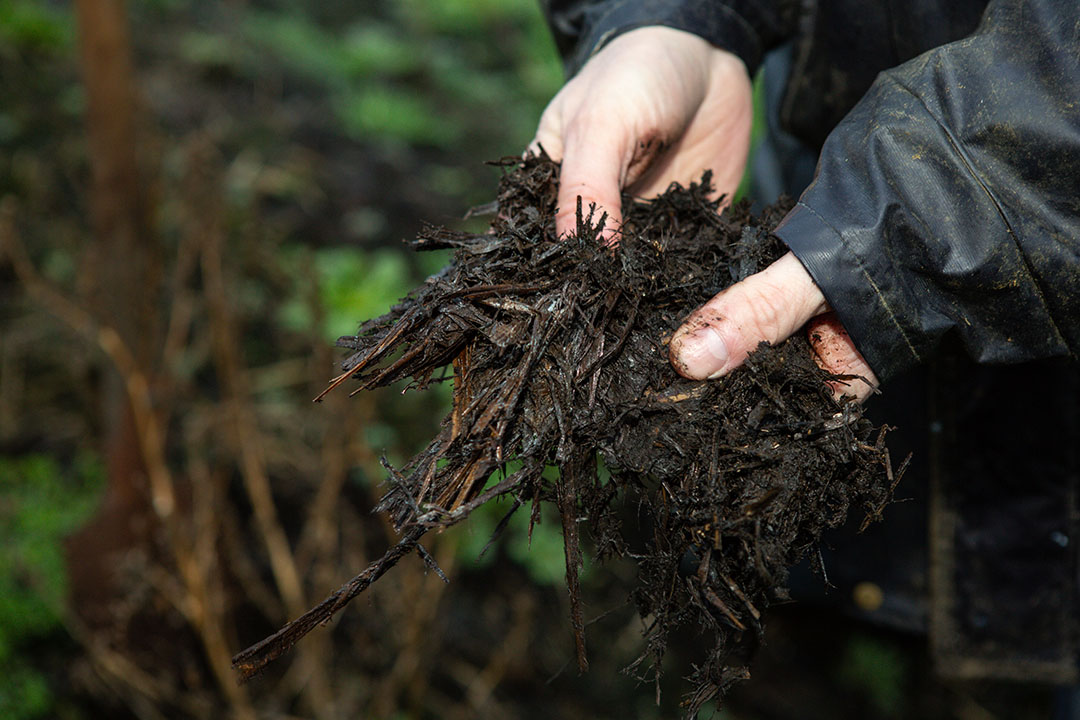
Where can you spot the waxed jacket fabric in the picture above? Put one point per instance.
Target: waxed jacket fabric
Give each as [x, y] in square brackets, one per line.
[947, 200]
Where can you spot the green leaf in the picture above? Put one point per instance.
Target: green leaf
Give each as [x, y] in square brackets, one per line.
[382, 111]
[40, 504]
[34, 25]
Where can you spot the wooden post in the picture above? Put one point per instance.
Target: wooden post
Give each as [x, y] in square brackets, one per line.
[118, 276]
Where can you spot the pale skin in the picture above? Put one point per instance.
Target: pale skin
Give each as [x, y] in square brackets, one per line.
[657, 106]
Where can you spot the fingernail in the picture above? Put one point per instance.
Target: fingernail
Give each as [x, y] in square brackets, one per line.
[703, 354]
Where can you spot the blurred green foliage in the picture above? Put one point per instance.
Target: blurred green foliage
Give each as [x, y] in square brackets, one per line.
[878, 670]
[757, 132]
[417, 72]
[40, 504]
[39, 92]
[540, 552]
[539, 549]
[36, 26]
[353, 285]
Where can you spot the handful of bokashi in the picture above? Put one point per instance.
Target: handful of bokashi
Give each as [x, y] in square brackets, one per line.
[557, 349]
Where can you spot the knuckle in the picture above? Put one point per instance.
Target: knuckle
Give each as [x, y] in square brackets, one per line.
[763, 305]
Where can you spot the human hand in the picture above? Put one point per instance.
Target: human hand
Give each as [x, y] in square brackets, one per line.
[770, 306]
[655, 106]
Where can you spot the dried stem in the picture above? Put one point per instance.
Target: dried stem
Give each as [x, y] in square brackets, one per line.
[247, 441]
[151, 438]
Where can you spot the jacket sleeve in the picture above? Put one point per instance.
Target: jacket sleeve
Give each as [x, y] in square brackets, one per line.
[747, 28]
[948, 200]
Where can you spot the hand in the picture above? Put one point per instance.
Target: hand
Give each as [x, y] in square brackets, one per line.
[771, 306]
[655, 106]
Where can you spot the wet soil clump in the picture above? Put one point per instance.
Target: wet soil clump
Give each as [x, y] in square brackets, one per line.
[557, 349]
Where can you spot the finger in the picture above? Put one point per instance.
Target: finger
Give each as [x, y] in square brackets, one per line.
[549, 139]
[592, 170]
[768, 306]
[835, 353]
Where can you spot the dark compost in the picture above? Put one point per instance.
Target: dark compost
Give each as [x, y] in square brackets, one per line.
[558, 350]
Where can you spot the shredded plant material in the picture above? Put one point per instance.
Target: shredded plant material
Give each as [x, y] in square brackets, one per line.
[558, 349]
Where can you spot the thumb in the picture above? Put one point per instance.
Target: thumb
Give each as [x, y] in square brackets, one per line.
[769, 306]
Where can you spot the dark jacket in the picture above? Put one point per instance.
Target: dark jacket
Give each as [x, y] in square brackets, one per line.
[946, 205]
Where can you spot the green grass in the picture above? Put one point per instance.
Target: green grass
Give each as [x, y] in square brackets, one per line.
[40, 504]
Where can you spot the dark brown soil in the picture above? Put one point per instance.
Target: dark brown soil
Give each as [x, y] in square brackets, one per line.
[558, 350]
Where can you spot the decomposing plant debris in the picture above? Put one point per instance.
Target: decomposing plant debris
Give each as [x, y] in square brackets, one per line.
[558, 353]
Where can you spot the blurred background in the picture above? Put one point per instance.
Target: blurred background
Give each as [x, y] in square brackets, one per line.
[196, 199]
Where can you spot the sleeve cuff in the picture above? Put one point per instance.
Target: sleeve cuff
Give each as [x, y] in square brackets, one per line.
[858, 298]
[720, 25]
